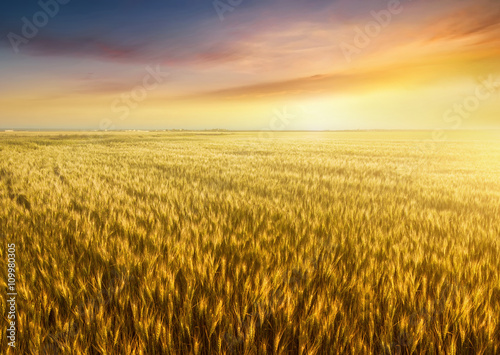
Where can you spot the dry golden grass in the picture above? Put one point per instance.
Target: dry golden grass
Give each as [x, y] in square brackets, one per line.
[190, 243]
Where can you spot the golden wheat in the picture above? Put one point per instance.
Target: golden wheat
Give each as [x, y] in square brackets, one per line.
[197, 243]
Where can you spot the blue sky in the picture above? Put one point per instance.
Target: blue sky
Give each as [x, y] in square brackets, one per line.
[233, 69]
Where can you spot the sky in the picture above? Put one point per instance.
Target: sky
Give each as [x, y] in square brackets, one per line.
[250, 64]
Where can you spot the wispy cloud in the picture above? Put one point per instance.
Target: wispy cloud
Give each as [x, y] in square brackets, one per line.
[261, 51]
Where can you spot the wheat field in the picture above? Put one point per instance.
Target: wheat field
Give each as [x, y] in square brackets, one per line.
[232, 243]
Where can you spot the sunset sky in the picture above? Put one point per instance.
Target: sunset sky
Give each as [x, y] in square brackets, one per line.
[250, 64]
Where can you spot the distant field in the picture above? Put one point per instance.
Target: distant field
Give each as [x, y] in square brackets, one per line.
[231, 243]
